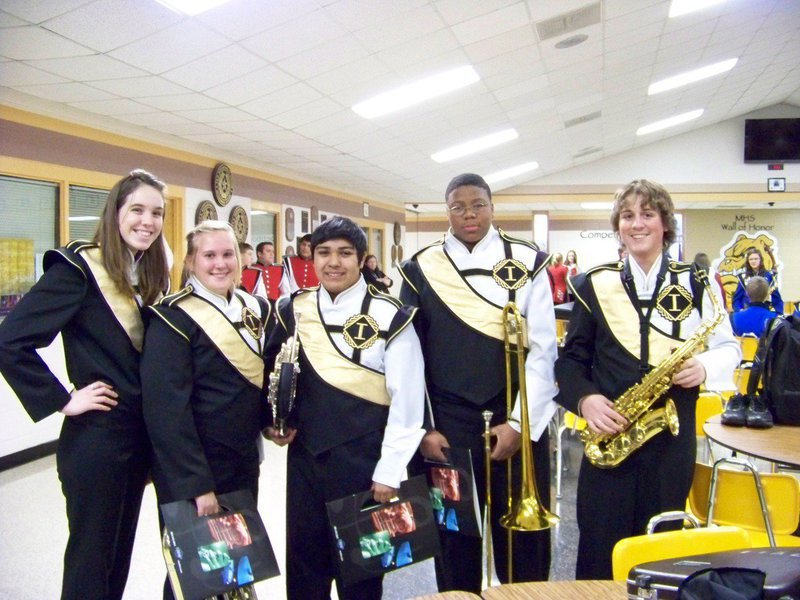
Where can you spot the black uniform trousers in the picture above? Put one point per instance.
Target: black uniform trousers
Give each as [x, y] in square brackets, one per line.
[460, 565]
[617, 503]
[311, 482]
[103, 472]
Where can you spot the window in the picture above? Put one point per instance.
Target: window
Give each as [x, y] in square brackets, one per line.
[28, 228]
[262, 227]
[85, 209]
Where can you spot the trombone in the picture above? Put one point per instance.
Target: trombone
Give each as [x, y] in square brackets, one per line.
[526, 512]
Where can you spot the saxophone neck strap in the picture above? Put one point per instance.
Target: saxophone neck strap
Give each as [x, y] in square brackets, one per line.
[644, 316]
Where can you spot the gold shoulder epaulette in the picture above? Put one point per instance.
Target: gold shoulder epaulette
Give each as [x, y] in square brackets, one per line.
[439, 242]
[80, 245]
[679, 267]
[177, 296]
[376, 293]
[515, 240]
[609, 266]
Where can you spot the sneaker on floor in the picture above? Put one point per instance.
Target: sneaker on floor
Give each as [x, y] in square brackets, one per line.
[757, 414]
[734, 413]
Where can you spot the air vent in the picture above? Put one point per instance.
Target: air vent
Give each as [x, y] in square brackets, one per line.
[582, 119]
[587, 151]
[568, 22]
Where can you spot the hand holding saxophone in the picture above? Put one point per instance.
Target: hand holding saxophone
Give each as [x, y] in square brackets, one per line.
[691, 374]
[600, 416]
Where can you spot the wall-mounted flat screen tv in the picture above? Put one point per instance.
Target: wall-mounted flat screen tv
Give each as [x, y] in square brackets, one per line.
[771, 140]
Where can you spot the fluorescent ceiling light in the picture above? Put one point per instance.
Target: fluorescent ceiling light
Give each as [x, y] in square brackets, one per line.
[84, 218]
[684, 7]
[476, 145]
[597, 205]
[671, 122]
[417, 92]
[670, 83]
[511, 172]
[191, 7]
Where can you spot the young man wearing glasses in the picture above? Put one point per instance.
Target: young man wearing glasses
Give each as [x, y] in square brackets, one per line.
[461, 285]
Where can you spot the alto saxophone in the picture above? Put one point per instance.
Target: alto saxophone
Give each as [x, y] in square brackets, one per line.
[607, 450]
[283, 380]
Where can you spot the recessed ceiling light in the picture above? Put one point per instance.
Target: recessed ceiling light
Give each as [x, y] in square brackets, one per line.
[512, 172]
[671, 122]
[571, 41]
[417, 92]
[670, 83]
[684, 7]
[476, 145]
[191, 7]
[597, 205]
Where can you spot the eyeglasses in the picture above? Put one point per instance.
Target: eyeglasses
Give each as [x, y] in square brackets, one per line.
[460, 210]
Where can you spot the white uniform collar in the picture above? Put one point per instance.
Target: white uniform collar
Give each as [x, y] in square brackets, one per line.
[356, 290]
[645, 282]
[452, 243]
[221, 302]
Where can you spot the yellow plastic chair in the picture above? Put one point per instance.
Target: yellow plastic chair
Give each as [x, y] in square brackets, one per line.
[572, 422]
[749, 345]
[737, 501]
[632, 551]
[708, 405]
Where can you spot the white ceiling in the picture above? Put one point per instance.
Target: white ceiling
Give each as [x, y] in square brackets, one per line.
[270, 83]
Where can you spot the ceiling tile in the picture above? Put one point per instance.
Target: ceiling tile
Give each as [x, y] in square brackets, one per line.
[88, 68]
[181, 102]
[491, 24]
[214, 115]
[114, 23]
[327, 56]
[40, 10]
[30, 43]
[281, 101]
[116, 106]
[307, 113]
[294, 37]
[245, 18]
[8, 20]
[394, 29]
[140, 87]
[13, 74]
[251, 86]
[171, 47]
[215, 69]
[65, 92]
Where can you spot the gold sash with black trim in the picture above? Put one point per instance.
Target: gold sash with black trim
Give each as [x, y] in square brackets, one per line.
[623, 321]
[124, 308]
[328, 361]
[472, 309]
[225, 337]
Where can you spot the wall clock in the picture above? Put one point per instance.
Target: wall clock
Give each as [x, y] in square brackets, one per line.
[222, 184]
[239, 222]
[205, 211]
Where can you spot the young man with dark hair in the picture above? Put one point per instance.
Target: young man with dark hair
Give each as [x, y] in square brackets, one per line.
[359, 405]
[461, 285]
[298, 271]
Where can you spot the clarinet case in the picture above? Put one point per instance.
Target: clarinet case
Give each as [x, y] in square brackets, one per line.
[660, 580]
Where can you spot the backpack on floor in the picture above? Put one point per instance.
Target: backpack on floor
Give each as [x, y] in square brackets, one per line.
[777, 367]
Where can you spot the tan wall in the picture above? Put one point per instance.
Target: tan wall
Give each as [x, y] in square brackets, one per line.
[710, 230]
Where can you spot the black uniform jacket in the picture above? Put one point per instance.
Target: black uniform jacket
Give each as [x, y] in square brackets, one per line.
[327, 412]
[100, 328]
[204, 401]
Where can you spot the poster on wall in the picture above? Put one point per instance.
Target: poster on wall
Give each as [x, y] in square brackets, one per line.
[731, 264]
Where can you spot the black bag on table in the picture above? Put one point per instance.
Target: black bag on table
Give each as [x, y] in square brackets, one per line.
[218, 553]
[777, 367]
